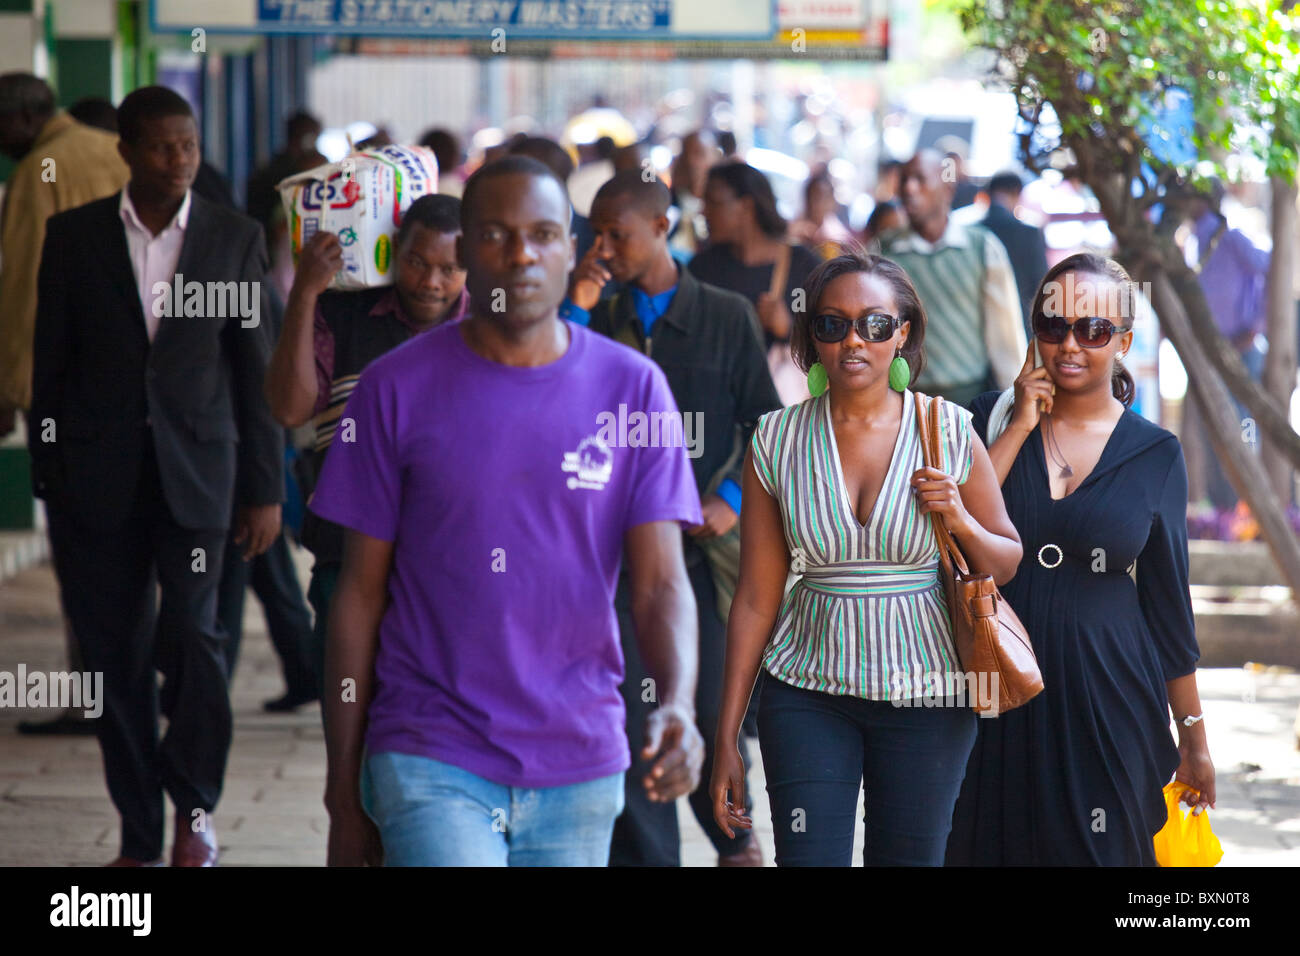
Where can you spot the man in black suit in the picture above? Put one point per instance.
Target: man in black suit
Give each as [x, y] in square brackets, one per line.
[1024, 243]
[148, 425]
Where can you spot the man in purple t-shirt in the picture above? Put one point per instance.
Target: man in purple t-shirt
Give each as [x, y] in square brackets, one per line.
[473, 649]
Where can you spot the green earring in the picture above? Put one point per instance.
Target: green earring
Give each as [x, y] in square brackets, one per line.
[817, 380]
[900, 373]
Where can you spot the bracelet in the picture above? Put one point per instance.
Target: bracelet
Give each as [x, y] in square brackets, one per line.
[1190, 720]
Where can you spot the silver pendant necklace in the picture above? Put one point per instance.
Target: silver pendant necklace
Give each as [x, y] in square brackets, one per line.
[1054, 451]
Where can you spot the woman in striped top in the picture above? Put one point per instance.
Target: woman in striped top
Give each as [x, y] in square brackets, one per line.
[859, 652]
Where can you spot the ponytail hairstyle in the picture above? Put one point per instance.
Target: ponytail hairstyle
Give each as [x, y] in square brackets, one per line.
[1122, 385]
[1086, 263]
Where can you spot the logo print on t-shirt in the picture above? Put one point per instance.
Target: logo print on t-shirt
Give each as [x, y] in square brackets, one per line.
[593, 462]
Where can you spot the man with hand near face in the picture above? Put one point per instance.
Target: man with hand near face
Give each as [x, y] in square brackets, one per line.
[706, 342]
[147, 425]
[330, 336]
[473, 651]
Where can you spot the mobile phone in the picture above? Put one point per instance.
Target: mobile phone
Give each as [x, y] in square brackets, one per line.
[1038, 363]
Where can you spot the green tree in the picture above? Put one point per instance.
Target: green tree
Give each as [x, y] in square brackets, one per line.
[1091, 80]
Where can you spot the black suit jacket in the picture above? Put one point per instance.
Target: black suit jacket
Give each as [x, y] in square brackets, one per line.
[100, 388]
[708, 346]
[1026, 249]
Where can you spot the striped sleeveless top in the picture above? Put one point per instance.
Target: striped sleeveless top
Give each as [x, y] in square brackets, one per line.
[867, 616]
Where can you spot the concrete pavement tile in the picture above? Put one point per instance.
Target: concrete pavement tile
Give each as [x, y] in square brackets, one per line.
[17, 771]
[51, 785]
[301, 770]
[277, 828]
[71, 766]
[39, 807]
[281, 856]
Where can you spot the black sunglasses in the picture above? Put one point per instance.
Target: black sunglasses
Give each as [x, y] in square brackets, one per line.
[876, 327]
[1090, 333]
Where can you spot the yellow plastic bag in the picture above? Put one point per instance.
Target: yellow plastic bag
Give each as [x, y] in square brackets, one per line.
[1185, 839]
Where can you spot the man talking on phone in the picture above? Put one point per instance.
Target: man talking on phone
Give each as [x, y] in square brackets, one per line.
[706, 342]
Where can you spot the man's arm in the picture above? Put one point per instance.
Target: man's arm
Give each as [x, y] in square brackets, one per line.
[667, 634]
[351, 644]
[760, 588]
[1004, 327]
[292, 387]
[1251, 258]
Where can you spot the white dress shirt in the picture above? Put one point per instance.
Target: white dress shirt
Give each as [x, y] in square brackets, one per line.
[153, 258]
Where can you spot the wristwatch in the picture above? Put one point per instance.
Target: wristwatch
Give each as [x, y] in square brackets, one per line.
[1189, 720]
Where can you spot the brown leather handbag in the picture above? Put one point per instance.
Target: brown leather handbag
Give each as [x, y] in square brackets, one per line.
[989, 638]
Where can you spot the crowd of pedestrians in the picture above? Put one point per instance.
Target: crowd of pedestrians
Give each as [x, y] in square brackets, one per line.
[596, 499]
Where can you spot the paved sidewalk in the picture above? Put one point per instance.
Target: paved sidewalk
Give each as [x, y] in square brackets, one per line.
[55, 810]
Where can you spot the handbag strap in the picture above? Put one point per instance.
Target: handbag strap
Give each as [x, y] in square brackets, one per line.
[780, 271]
[929, 424]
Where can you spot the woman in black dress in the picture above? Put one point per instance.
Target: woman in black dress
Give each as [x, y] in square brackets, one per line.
[747, 244]
[1074, 777]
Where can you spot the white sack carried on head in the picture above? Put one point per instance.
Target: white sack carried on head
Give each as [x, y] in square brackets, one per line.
[361, 199]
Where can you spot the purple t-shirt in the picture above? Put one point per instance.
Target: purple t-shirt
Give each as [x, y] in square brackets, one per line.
[507, 495]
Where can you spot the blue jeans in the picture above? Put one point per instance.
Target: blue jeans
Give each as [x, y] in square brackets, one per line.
[431, 813]
[820, 750]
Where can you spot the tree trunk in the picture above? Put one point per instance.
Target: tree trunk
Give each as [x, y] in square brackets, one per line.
[1280, 365]
[1272, 421]
[1143, 248]
[1244, 469]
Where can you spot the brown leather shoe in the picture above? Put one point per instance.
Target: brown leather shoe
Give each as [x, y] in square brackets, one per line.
[194, 848]
[751, 855]
[131, 861]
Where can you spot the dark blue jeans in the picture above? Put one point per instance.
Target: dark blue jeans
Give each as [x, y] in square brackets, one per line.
[646, 833]
[819, 749]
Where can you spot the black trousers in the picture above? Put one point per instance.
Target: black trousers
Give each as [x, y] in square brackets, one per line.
[275, 582]
[110, 582]
[646, 834]
[821, 750]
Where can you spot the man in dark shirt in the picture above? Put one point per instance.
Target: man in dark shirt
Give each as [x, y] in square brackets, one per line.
[329, 337]
[301, 132]
[705, 340]
[1025, 245]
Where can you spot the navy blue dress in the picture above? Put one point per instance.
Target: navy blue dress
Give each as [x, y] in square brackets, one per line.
[1074, 777]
